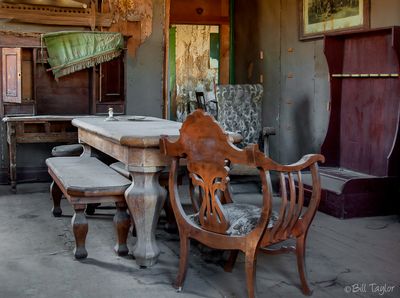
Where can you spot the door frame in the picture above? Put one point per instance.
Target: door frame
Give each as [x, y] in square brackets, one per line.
[226, 40]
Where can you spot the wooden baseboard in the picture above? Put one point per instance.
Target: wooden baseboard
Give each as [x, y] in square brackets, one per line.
[25, 174]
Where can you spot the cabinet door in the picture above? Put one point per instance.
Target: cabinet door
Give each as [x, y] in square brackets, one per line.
[11, 73]
[112, 80]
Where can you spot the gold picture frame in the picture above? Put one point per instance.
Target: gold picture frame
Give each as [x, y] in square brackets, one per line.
[318, 17]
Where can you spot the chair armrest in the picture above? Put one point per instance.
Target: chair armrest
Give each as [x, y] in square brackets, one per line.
[304, 162]
[292, 219]
[269, 165]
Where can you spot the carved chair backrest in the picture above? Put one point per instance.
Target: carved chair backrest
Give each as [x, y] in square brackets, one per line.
[208, 150]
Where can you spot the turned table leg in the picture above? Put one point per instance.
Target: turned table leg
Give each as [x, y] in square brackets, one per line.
[145, 198]
[80, 228]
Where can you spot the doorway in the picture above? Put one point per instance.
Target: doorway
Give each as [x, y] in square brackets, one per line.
[194, 66]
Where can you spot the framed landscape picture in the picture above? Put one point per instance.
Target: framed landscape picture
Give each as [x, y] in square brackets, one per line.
[318, 17]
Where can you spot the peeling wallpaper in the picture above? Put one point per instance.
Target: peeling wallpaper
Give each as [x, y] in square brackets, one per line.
[193, 71]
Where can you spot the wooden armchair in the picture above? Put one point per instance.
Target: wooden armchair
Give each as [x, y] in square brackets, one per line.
[222, 224]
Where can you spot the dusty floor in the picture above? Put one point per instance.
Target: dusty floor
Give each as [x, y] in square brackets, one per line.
[359, 256]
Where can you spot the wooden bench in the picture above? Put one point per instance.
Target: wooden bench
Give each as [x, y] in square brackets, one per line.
[86, 180]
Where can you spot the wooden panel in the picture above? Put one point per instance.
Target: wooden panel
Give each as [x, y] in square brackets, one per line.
[11, 73]
[359, 54]
[199, 12]
[102, 108]
[55, 15]
[224, 54]
[368, 124]
[27, 74]
[70, 95]
[16, 39]
[19, 109]
[112, 80]
[368, 120]
[365, 111]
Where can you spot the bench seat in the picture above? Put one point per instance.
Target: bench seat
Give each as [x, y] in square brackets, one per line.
[87, 177]
[86, 180]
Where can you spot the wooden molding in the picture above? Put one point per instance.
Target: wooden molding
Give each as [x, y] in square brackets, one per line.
[212, 20]
[55, 15]
[11, 39]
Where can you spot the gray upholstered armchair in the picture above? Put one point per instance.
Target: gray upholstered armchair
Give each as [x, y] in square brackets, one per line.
[239, 110]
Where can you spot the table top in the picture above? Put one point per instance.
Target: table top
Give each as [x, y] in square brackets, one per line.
[40, 118]
[132, 131]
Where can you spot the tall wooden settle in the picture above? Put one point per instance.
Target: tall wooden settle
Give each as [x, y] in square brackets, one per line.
[361, 176]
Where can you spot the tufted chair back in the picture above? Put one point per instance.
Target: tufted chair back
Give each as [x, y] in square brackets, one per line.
[240, 110]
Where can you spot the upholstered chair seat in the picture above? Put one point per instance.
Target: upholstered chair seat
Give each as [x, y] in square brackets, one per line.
[243, 218]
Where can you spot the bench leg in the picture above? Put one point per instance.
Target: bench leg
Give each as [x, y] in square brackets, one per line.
[56, 195]
[80, 229]
[122, 223]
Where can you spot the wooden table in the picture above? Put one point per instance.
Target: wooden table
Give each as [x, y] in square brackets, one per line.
[136, 144]
[36, 129]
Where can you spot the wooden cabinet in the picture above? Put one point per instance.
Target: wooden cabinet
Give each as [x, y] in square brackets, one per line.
[110, 85]
[28, 88]
[11, 74]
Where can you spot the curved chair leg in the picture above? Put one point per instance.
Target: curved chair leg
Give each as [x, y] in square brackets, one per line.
[301, 267]
[183, 262]
[80, 229]
[122, 223]
[250, 265]
[228, 267]
[56, 195]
